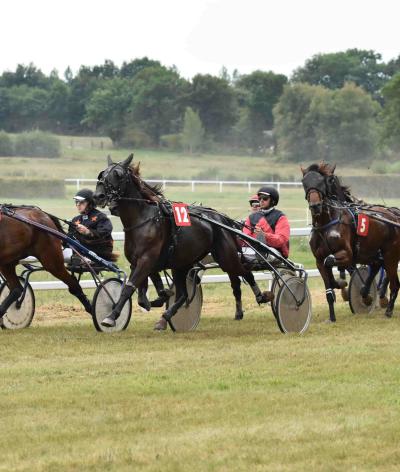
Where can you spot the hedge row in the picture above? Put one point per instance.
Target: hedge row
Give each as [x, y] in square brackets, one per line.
[30, 144]
[31, 188]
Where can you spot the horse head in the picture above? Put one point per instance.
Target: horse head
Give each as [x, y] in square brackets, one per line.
[320, 183]
[113, 181]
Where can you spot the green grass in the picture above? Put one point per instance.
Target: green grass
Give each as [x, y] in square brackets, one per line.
[230, 396]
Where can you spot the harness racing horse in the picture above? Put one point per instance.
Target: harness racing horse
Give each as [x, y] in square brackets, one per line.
[335, 239]
[20, 240]
[153, 243]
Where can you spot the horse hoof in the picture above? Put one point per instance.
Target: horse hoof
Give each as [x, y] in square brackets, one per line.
[145, 304]
[329, 321]
[108, 322]
[389, 313]
[265, 297]
[383, 302]
[238, 316]
[345, 294]
[367, 300]
[161, 325]
[341, 283]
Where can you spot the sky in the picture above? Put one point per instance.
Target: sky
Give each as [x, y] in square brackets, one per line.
[197, 36]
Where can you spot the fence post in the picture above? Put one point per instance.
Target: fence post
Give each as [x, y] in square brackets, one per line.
[220, 187]
[249, 186]
[77, 185]
[164, 184]
[278, 187]
[192, 185]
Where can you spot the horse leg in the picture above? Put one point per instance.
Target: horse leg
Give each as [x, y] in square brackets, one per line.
[327, 276]
[237, 293]
[55, 265]
[261, 297]
[383, 300]
[137, 277]
[14, 286]
[163, 294]
[179, 278]
[143, 301]
[344, 290]
[340, 258]
[364, 291]
[391, 271]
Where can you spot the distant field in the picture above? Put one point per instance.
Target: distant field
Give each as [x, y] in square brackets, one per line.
[84, 157]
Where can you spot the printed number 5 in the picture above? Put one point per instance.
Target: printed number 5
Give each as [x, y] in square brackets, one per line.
[362, 226]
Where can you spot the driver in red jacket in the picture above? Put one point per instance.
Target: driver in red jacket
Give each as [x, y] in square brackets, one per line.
[269, 222]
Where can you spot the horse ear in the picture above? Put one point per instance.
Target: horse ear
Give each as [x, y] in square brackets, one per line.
[333, 168]
[109, 160]
[302, 170]
[127, 161]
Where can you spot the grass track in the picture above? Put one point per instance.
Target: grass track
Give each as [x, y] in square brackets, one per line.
[231, 396]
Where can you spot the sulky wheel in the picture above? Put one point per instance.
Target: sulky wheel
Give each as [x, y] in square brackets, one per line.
[291, 317]
[276, 285]
[20, 314]
[188, 317]
[357, 281]
[105, 297]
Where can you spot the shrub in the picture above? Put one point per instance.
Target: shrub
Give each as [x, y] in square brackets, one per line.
[134, 138]
[6, 145]
[171, 141]
[379, 167]
[37, 144]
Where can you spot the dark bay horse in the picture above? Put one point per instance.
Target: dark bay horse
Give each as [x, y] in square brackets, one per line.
[19, 240]
[334, 240]
[153, 243]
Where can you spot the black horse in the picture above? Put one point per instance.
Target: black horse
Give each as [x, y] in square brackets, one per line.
[153, 242]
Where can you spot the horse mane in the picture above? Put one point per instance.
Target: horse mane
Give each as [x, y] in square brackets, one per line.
[327, 170]
[150, 192]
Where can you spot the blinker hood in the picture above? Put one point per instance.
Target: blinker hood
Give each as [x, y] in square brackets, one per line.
[314, 181]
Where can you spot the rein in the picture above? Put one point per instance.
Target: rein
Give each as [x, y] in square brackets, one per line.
[327, 225]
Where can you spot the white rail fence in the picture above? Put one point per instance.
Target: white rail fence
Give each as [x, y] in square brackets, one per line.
[194, 183]
[219, 184]
[207, 279]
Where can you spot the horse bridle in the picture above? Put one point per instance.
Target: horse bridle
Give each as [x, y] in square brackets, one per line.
[113, 194]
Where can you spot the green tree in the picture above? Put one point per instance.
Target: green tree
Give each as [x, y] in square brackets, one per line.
[363, 67]
[107, 109]
[81, 88]
[158, 101]
[391, 112]
[260, 92]
[130, 69]
[193, 131]
[216, 103]
[346, 124]
[295, 132]
[27, 108]
[314, 123]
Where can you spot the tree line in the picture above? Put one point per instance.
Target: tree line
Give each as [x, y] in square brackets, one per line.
[341, 106]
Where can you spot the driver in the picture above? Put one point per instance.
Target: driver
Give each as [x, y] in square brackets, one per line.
[91, 227]
[268, 222]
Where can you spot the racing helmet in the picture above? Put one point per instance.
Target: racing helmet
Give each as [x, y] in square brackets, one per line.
[270, 191]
